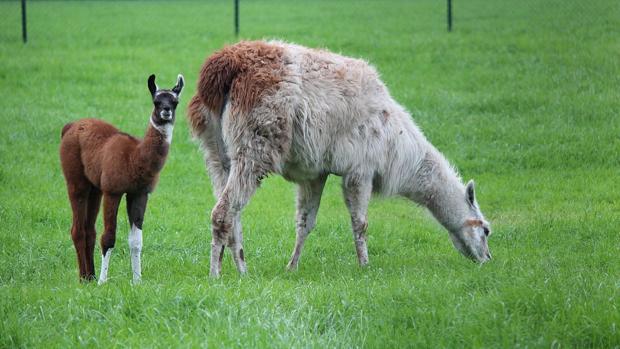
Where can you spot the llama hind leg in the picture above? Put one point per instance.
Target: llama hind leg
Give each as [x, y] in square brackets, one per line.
[235, 243]
[217, 164]
[136, 206]
[110, 211]
[308, 201]
[241, 185]
[94, 202]
[78, 195]
[357, 191]
[218, 172]
[257, 143]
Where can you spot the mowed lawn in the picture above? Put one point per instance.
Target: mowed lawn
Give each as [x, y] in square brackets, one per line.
[523, 97]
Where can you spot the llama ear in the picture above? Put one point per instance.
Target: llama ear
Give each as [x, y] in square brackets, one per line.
[152, 85]
[179, 86]
[470, 193]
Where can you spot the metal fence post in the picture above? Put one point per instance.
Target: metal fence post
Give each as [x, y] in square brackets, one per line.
[236, 17]
[449, 15]
[24, 33]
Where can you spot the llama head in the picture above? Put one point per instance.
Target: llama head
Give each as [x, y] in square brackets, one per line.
[471, 238]
[165, 101]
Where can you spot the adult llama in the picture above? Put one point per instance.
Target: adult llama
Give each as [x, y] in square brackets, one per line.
[274, 107]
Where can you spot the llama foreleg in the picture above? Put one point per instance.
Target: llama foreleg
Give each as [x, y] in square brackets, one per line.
[308, 201]
[136, 206]
[357, 190]
[110, 209]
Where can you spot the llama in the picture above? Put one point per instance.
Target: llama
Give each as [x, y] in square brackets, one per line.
[274, 107]
[98, 160]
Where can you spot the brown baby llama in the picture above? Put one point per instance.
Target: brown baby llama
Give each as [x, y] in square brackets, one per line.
[98, 160]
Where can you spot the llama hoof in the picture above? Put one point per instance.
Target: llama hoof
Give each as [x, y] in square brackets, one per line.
[290, 267]
[135, 282]
[87, 279]
[214, 273]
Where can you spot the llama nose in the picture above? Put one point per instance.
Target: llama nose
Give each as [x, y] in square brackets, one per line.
[488, 255]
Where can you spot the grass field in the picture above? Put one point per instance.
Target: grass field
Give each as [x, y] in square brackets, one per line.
[524, 97]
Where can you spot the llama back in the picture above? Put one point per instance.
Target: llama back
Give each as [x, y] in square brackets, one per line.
[341, 114]
[248, 73]
[339, 103]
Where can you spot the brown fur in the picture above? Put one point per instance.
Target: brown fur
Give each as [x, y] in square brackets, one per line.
[195, 115]
[65, 129]
[110, 160]
[99, 160]
[474, 223]
[243, 72]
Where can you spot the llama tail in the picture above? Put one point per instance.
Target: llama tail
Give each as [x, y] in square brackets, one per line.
[197, 116]
[216, 78]
[214, 84]
[207, 131]
[66, 128]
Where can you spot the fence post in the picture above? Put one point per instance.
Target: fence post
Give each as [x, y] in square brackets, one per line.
[236, 17]
[24, 33]
[449, 15]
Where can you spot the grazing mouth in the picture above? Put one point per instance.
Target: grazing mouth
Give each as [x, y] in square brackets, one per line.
[482, 260]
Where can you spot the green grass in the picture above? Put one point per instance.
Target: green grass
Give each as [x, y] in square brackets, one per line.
[522, 97]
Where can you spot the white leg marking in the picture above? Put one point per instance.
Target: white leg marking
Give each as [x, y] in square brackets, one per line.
[105, 264]
[135, 249]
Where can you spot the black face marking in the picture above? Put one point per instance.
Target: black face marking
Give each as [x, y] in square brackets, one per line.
[164, 107]
[179, 86]
[164, 101]
[151, 84]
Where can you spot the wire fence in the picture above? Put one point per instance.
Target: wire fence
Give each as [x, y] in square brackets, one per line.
[462, 15]
[550, 14]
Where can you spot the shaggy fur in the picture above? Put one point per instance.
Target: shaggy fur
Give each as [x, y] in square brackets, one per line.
[246, 72]
[273, 107]
[98, 160]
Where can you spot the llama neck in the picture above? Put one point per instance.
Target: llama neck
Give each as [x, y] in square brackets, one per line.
[438, 187]
[165, 130]
[151, 153]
